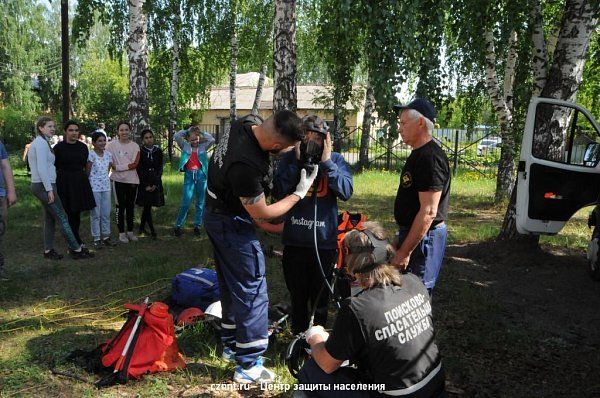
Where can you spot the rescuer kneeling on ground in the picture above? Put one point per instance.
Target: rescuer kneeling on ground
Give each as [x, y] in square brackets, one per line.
[386, 330]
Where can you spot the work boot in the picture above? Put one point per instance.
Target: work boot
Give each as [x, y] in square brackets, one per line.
[257, 373]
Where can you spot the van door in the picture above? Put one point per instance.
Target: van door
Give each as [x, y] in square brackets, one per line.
[559, 170]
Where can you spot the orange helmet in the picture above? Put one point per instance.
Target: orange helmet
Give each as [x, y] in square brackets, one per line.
[189, 316]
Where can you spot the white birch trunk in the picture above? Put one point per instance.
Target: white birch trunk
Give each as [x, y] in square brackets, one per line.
[284, 56]
[233, 65]
[174, 91]
[137, 53]
[540, 52]
[259, 90]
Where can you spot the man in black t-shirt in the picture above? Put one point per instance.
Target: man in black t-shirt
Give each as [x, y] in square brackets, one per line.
[238, 181]
[421, 204]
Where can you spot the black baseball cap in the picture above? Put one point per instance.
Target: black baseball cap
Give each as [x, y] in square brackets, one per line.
[420, 105]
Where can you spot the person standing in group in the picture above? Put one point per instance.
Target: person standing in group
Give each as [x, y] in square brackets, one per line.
[194, 163]
[239, 177]
[150, 192]
[8, 197]
[71, 178]
[43, 185]
[301, 268]
[125, 155]
[421, 205]
[98, 166]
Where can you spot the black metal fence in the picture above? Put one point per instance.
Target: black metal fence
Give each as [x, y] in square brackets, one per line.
[477, 151]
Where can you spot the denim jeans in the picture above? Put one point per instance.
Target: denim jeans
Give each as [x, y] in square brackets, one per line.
[100, 215]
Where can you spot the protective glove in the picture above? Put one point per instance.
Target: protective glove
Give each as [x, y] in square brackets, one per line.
[305, 182]
[314, 331]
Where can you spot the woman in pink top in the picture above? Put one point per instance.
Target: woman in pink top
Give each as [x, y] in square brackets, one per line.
[126, 155]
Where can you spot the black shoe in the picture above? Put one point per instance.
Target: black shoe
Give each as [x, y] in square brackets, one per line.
[153, 235]
[142, 231]
[197, 231]
[82, 254]
[108, 242]
[53, 255]
[177, 231]
[98, 244]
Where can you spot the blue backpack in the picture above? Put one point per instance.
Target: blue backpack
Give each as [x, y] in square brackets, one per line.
[196, 287]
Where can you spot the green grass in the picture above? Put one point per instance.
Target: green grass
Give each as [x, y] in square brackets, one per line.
[51, 308]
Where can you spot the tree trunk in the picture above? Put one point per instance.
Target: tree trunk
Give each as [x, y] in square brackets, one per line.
[137, 52]
[284, 56]
[259, 90]
[365, 138]
[502, 102]
[174, 83]
[233, 67]
[336, 130]
[540, 52]
[562, 81]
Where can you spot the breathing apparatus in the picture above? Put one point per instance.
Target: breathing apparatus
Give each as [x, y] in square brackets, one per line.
[310, 150]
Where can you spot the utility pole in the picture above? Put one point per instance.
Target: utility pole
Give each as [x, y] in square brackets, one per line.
[66, 92]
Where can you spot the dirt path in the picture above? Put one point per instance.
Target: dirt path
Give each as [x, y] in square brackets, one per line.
[513, 322]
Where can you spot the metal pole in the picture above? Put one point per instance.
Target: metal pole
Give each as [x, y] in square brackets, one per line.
[455, 166]
[66, 95]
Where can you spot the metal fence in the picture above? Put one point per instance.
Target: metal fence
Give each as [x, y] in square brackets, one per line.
[477, 151]
[466, 150]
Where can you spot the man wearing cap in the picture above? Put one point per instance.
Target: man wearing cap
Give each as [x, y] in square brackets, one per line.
[421, 205]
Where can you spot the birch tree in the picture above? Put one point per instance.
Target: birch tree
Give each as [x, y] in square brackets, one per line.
[137, 54]
[284, 56]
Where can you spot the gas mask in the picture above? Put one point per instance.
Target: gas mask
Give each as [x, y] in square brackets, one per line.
[311, 151]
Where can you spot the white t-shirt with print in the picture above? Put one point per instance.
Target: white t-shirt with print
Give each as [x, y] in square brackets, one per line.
[99, 174]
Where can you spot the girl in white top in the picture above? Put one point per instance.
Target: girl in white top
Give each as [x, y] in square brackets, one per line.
[125, 156]
[43, 186]
[98, 165]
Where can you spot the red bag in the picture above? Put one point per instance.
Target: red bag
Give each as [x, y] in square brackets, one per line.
[154, 346]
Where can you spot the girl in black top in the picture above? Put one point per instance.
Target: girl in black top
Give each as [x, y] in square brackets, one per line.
[72, 182]
[150, 192]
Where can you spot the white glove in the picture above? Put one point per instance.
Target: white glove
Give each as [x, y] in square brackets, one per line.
[314, 331]
[305, 182]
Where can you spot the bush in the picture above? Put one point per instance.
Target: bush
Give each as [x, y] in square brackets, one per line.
[16, 127]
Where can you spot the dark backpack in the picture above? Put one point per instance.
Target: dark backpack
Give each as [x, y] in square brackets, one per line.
[196, 287]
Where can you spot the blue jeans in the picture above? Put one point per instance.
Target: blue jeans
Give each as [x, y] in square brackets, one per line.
[100, 215]
[240, 265]
[194, 182]
[426, 259]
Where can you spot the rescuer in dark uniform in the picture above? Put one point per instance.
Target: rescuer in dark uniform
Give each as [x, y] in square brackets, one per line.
[239, 178]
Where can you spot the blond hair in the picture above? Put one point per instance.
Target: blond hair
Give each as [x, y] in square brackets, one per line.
[357, 260]
[41, 122]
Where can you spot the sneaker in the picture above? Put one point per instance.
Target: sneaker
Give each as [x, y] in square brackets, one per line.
[228, 354]
[108, 242]
[131, 236]
[123, 237]
[197, 231]
[4, 278]
[257, 373]
[82, 254]
[98, 244]
[177, 231]
[53, 255]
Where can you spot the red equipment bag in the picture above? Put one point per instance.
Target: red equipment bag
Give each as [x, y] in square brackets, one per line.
[153, 348]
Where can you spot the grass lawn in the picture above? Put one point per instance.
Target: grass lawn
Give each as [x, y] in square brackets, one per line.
[50, 308]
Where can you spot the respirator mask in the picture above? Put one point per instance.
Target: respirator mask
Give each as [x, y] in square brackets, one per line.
[311, 150]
